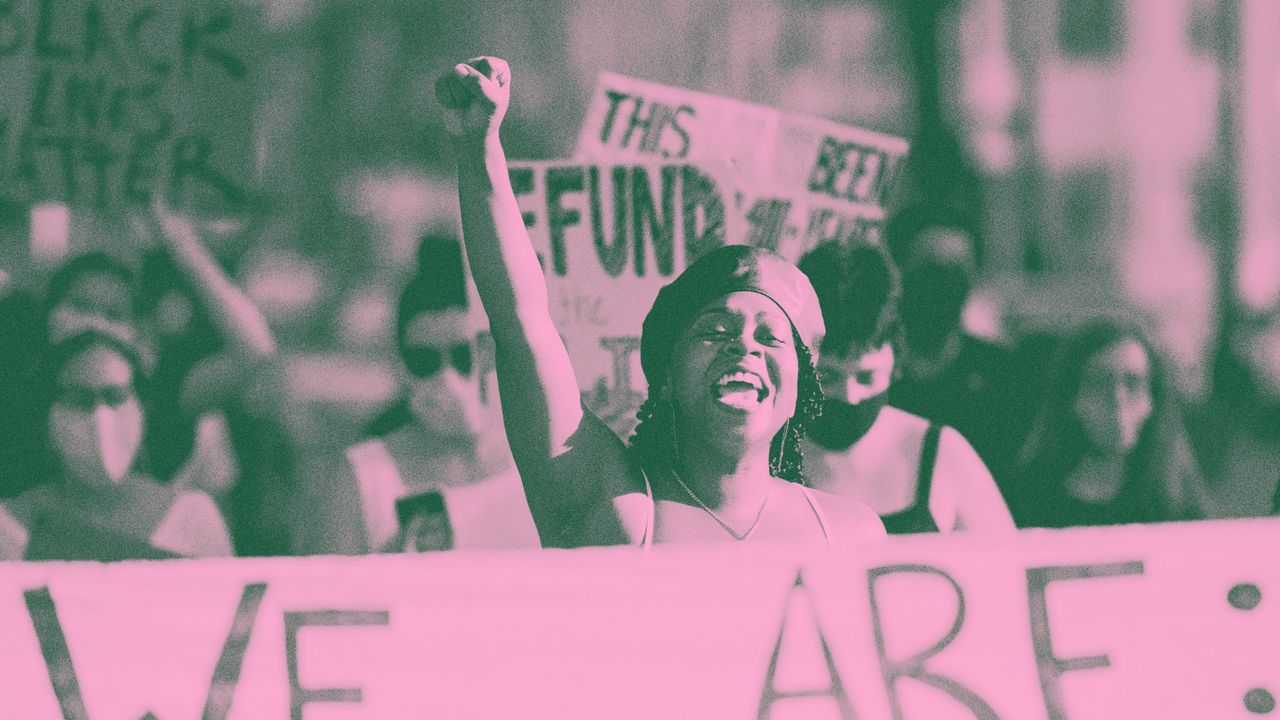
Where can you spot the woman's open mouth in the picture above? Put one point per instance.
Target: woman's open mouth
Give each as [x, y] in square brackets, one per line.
[740, 390]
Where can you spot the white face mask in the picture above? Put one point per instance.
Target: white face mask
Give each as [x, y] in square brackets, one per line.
[97, 446]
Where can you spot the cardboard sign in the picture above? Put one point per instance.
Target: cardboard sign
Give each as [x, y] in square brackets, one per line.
[104, 103]
[766, 148]
[610, 236]
[1159, 622]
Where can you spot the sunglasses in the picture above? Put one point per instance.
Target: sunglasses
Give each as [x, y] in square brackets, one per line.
[88, 398]
[425, 361]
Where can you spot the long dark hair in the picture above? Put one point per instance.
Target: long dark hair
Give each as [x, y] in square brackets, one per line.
[654, 446]
[1159, 469]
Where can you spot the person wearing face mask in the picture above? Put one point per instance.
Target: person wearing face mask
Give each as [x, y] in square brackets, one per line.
[1108, 446]
[92, 290]
[918, 475]
[96, 503]
[437, 460]
[948, 375]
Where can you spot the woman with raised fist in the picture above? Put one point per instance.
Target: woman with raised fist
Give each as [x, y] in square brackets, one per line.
[728, 352]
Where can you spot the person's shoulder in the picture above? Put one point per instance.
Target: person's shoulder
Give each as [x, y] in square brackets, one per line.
[195, 505]
[27, 505]
[900, 422]
[852, 520]
[957, 459]
[952, 442]
[17, 515]
[194, 526]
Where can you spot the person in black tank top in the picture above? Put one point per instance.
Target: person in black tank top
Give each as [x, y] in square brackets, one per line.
[864, 449]
[917, 518]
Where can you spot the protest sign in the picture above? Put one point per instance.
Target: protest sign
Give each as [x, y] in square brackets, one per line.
[103, 104]
[635, 120]
[609, 237]
[1163, 622]
[779, 180]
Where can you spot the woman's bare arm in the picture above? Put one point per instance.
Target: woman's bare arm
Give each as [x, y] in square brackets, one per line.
[963, 489]
[541, 401]
[250, 344]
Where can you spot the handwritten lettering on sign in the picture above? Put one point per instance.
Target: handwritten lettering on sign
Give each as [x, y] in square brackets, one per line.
[1155, 622]
[762, 147]
[107, 102]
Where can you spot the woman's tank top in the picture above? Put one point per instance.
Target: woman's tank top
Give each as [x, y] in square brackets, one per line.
[646, 539]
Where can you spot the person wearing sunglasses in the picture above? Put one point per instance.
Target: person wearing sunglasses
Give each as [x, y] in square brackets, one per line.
[440, 443]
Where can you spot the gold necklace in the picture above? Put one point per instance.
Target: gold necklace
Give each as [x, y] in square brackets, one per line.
[755, 523]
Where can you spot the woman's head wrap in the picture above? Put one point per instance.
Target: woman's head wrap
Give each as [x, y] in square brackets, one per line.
[725, 270]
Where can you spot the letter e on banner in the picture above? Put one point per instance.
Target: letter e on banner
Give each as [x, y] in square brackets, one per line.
[1050, 667]
[294, 621]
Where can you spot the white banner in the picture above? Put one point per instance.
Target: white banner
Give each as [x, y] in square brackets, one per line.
[1162, 622]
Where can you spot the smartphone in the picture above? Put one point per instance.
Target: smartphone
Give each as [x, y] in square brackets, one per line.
[424, 522]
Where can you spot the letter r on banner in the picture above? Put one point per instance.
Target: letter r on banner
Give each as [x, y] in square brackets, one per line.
[299, 696]
[913, 667]
[1049, 666]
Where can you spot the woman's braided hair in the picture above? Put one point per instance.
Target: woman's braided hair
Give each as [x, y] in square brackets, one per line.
[654, 444]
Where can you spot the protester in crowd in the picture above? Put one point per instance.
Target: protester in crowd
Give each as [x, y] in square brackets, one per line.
[950, 376]
[1108, 446]
[91, 290]
[216, 387]
[920, 476]
[727, 352]
[96, 504]
[437, 473]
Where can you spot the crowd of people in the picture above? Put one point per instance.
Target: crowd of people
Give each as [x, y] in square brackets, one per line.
[835, 400]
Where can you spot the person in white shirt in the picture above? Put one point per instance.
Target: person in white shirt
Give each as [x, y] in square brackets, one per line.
[437, 473]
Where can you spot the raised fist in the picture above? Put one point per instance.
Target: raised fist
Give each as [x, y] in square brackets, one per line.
[475, 95]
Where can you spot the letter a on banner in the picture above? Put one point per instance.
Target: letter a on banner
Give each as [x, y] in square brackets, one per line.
[802, 653]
